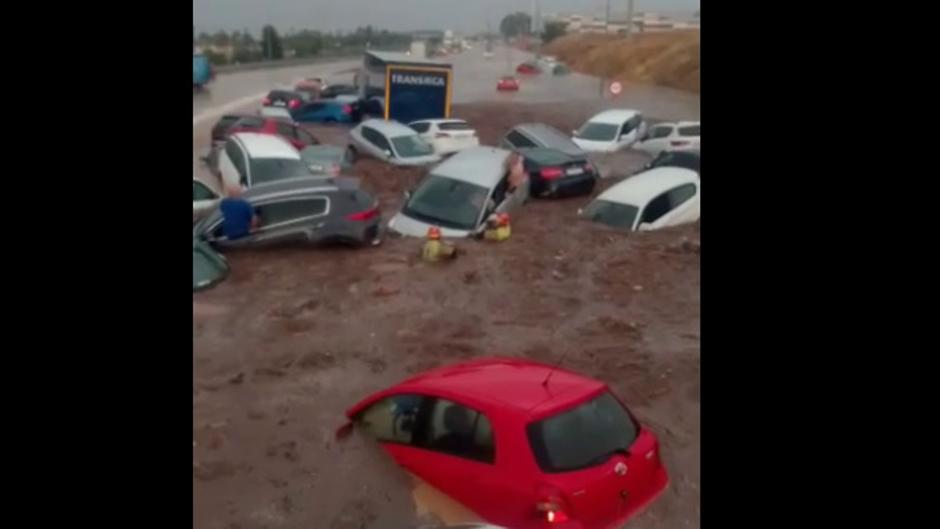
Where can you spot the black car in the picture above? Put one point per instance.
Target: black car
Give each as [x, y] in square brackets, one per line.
[684, 159]
[302, 211]
[290, 99]
[556, 166]
[339, 90]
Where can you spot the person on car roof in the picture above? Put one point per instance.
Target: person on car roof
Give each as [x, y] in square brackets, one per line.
[238, 217]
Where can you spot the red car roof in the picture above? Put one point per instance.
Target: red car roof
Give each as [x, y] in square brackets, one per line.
[503, 383]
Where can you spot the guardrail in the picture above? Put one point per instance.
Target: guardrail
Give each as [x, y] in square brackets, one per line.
[285, 63]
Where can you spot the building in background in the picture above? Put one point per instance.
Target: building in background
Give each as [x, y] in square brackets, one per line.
[641, 23]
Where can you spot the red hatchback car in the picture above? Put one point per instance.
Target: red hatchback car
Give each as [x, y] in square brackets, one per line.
[520, 443]
[293, 133]
[508, 83]
[528, 68]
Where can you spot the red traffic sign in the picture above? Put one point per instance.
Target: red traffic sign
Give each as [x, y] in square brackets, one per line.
[616, 88]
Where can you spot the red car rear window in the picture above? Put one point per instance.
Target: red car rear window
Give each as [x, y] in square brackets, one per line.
[583, 437]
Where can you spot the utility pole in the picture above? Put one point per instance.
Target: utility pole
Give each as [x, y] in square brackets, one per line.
[629, 17]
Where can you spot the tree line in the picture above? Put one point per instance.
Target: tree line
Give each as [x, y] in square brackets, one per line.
[520, 24]
[243, 47]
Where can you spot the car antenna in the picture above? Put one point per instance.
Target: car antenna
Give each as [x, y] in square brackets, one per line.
[553, 368]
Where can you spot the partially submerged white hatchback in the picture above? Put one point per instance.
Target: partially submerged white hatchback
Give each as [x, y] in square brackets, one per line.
[610, 131]
[447, 136]
[460, 194]
[661, 197]
[672, 137]
[390, 142]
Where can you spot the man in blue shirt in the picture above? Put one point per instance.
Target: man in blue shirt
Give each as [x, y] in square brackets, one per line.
[238, 216]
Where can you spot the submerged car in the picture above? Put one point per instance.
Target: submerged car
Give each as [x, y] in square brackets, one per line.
[286, 130]
[661, 197]
[328, 160]
[526, 445]
[611, 131]
[681, 136]
[684, 159]
[390, 142]
[447, 136]
[529, 68]
[556, 165]
[302, 211]
[209, 268]
[459, 195]
[290, 99]
[324, 111]
[507, 83]
[248, 159]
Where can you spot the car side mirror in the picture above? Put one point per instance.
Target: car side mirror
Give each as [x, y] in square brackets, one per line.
[407, 194]
[388, 153]
[644, 226]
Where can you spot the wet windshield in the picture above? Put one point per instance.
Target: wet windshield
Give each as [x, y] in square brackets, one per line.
[411, 146]
[613, 214]
[447, 202]
[583, 437]
[598, 131]
[270, 169]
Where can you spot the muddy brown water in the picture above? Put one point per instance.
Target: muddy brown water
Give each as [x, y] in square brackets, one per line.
[297, 335]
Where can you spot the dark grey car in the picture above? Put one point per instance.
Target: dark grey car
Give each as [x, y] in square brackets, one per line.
[556, 166]
[303, 211]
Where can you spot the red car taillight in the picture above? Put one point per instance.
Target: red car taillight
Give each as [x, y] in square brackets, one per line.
[551, 173]
[294, 103]
[266, 101]
[552, 505]
[364, 215]
[678, 143]
[347, 109]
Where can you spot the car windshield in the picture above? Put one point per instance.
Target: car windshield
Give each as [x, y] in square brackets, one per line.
[447, 202]
[598, 131]
[613, 214]
[411, 146]
[583, 437]
[270, 169]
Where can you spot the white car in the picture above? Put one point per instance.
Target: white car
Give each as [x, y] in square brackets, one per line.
[447, 136]
[610, 131]
[459, 195]
[248, 159]
[665, 196]
[663, 137]
[390, 142]
[205, 199]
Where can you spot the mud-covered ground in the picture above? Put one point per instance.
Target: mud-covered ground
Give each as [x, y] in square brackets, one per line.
[294, 336]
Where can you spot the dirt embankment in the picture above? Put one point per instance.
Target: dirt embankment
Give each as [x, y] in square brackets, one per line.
[666, 59]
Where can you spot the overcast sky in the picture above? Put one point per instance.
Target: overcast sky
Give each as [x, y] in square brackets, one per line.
[459, 15]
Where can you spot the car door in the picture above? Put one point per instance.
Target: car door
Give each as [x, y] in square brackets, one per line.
[305, 137]
[631, 131]
[372, 143]
[656, 140]
[684, 204]
[233, 165]
[286, 221]
[204, 199]
[458, 457]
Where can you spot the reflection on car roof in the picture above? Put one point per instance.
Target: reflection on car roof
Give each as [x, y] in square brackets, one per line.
[643, 187]
[483, 166]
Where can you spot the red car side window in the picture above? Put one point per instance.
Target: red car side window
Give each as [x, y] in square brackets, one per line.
[457, 430]
[392, 419]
